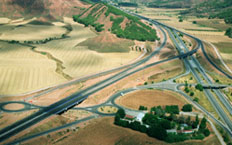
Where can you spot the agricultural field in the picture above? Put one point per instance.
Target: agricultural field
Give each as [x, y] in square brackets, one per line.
[103, 131]
[23, 70]
[210, 30]
[30, 32]
[150, 98]
[79, 60]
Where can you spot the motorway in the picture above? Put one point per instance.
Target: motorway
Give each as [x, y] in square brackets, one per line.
[74, 99]
[78, 97]
[207, 92]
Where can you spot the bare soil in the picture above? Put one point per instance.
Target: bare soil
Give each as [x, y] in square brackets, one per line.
[14, 106]
[150, 98]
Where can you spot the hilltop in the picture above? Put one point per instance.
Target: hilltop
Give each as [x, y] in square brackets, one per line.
[45, 9]
[104, 17]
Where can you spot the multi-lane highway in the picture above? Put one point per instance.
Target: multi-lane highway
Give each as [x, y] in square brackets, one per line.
[207, 92]
[78, 97]
[74, 99]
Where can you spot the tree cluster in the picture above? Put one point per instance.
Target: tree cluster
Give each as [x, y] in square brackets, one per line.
[187, 108]
[89, 20]
[229, 32]
[128, 4]
[156, 124]
[199, 87]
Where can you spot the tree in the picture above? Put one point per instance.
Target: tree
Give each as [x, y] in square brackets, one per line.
[203, 124]
[187, 108]
[196, 99]
[191, 93]
[172, 109]
[199, 87]
[150, 119]
[142, 108]
[181, 119]
[166, 124]
[196, 122]
[186, 89]
[206, 132]
[194, 22]
[188, 120]
[158, 111]
[172, 117]
[229, 32]
[157, 132]
[121, 113]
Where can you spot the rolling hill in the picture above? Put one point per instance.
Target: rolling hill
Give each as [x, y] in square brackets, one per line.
[104, 17]
[213, 9]
[46, 9]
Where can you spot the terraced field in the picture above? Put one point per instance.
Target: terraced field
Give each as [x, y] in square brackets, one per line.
[30, 32]
[23, 70]
[79, 60]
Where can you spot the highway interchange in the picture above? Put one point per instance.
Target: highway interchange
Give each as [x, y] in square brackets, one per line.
[78, 97]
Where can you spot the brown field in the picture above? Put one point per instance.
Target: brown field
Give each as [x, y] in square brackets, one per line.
[167, 71]
[9, 118]
[56, 95]
[150, 98]
[131, 81]
[103, 132]
[52, 122]
[14, 106]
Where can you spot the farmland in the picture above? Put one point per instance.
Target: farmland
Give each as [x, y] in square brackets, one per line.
[210, 30]
[30, 32]
[150, 98]
[24, 70]
[80, 60]
[103, 131]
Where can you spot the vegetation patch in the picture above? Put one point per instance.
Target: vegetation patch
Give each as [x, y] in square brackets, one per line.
[107, 109]
[165, 126]
[36, 22]
[229, 32]
[134, 30]
[224, 47]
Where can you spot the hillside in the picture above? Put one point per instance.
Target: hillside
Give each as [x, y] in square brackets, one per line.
[46, 9]
[104, 17]
[213, 9]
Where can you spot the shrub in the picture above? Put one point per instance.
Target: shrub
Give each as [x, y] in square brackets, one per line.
[121, 113]
[199, 87]
[187, 108]
[142, 108]
[174, 109]
[191, 93]
[206, 132]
